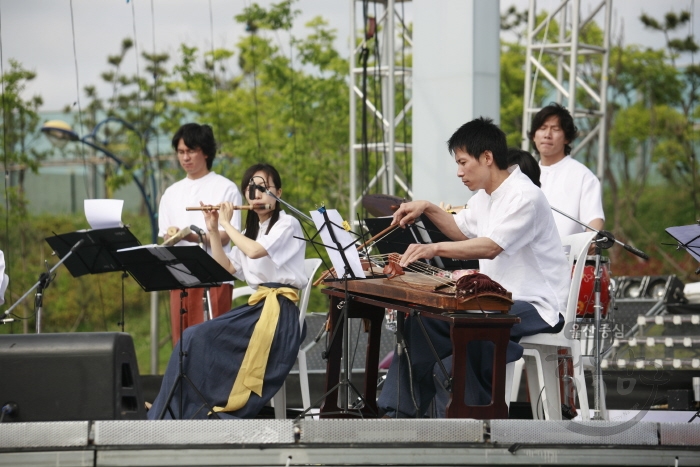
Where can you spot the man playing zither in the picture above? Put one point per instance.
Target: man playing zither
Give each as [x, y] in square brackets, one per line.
[508, 226]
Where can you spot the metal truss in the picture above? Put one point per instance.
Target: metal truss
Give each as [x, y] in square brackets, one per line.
[567, 49]
[381, 110]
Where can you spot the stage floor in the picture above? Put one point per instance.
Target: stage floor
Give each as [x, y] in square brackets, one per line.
[343, 442]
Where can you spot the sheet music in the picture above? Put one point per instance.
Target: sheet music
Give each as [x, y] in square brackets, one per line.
[103, 213]
[344, 238]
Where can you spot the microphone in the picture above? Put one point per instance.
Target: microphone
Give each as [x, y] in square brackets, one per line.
[197, 230]
[252, 187]
[639, 253]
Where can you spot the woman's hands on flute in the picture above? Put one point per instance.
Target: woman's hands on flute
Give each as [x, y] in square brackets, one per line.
[211, 217]
[225, 213]
[221, 215]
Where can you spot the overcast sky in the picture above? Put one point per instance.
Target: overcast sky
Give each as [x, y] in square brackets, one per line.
[39, 33]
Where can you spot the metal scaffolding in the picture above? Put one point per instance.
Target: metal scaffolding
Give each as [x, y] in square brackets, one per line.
[566, 80]
[379, 110]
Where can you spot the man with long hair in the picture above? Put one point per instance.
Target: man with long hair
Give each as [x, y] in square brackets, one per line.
[196, 149]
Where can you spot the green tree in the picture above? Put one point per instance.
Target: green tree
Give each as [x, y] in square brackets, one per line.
[20, 129]
[287, 105]
[651, 134]
[675, 153]
[126, 121]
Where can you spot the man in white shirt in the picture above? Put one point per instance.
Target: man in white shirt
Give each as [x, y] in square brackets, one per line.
[508, 226]
[196, 149]
[568, 185]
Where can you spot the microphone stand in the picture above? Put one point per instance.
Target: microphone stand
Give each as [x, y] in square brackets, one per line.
[291, 208]
[44, 280]
[604, 240]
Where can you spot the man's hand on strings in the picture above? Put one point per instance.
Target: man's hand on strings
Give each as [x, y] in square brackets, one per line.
[408, 213]
[416, 252]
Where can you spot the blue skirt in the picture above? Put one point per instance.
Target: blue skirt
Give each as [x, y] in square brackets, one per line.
[214, 351]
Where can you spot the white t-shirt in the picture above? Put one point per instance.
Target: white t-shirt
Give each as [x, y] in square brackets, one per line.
[284, 262]
[572, 188]
[210, 189]
[532, 265]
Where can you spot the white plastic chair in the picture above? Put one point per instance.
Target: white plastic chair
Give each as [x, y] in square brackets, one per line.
[279, 400]
[540, 354]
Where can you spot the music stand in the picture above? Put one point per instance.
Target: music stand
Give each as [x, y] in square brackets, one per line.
[96, 254]
[688, 238]
[342, 252]
[158, 268]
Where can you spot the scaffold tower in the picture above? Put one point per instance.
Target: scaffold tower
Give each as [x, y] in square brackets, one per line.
[585, 98]
[379, 39]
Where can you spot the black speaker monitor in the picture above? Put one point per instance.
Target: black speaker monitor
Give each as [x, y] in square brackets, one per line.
[70, 376]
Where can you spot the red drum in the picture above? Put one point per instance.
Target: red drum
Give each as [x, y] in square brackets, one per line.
[586, 295]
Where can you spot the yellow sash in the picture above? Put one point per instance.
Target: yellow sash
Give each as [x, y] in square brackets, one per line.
[252, 372]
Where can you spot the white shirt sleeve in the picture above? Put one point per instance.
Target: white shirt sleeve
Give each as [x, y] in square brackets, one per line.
[514, 227]
[163, 217]
[466, 218]
[591, 206]
[280, 244]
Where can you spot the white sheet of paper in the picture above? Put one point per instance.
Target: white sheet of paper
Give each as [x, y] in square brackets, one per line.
[104, 213]
[344, 238]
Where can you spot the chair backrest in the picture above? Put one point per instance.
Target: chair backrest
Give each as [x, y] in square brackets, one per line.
[310, 267]
[576, 248]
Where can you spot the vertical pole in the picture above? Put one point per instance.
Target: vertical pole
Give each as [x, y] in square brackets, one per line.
[573, 57]
[154, 333]
[353, 115]
[390, 113]
[528, 76]
[603, 132]
[560, 57]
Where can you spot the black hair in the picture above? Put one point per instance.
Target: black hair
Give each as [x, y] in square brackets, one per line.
[566, 122]
[480, 135]
[196, 136]
[528, 165]
[252, 222]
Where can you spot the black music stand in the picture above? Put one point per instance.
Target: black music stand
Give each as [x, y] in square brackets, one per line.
[688, 238]
[333, 244]
[96, 254]
[158, 268]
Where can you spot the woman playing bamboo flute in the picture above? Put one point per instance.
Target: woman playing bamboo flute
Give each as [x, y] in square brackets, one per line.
[239, 360]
